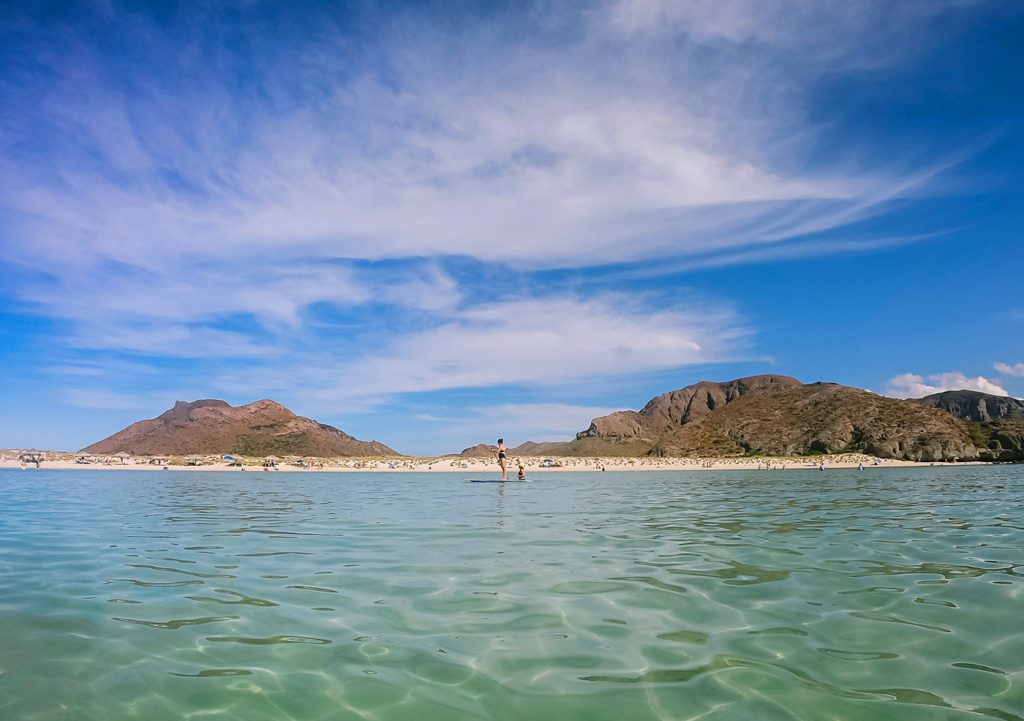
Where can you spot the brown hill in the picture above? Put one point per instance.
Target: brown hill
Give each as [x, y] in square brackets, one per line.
[777, 415]
[257, 429]
[677, 408]
[535, 448]
[480, 450]
[826, 418]
[529, 448]
[996, 423]
[975, 405]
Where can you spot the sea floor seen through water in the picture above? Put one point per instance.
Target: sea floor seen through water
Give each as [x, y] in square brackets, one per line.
[878, 594]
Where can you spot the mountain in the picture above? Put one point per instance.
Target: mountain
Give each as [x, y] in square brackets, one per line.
[214, 427]
[535, 448]
[996, 423]
[975, 405]
[529, 448]
[778, 415]
[677, 408]
[480, 450]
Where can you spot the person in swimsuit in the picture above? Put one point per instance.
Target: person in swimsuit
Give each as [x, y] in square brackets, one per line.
[502, 458]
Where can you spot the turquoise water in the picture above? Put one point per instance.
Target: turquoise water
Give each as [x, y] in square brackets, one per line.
[883, 594]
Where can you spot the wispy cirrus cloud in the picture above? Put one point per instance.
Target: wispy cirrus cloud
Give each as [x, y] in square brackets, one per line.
[621, 149]
[210, 190]
[534, 342]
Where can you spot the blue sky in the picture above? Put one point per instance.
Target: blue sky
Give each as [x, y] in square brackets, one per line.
[436, 223]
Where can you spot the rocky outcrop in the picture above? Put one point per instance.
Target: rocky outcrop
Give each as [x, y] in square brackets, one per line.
[995, 423]
[215, 427]
[975, 406]
[827, 418]
[778, 415]
[1002, 441]
[677, 408]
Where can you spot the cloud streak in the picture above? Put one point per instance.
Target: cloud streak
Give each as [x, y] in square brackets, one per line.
[1016, 369]
[294, 210]
[595, 149]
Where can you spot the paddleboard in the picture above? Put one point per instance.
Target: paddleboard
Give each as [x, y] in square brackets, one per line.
[493, 480]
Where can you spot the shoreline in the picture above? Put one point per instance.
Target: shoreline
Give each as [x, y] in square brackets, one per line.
[532, 464]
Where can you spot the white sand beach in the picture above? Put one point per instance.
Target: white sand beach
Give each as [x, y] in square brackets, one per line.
[15, 458]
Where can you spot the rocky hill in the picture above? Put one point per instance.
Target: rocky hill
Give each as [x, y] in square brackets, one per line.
[214, 427]
[996, 423]
[535, 448]
[480, 450]
[778, 415]
[529, 448]
[676, 408]
[975, 405]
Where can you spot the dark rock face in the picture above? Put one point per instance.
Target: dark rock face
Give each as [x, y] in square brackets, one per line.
[215, 427]
[975, 406]
[1001, 440]
[777, 415]
[1007, 444]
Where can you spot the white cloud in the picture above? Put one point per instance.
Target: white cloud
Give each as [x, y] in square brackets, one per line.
[832, 31]
[187, 220]
[545, 341]
[910, 385]
[182, 203]
[1016, 370]
[533, 342]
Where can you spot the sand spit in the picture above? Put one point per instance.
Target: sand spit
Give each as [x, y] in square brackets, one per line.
[440, 464]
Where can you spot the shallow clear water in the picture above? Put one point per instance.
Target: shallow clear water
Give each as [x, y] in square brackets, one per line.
[883, 594]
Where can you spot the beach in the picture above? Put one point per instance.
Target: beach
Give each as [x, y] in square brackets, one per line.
[448, 464]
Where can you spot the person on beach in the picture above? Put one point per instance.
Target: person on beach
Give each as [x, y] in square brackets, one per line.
[501, 451]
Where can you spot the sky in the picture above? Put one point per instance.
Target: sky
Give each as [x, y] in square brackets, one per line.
[433, 224]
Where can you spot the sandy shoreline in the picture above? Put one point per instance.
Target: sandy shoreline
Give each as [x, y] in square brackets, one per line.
[450, 464]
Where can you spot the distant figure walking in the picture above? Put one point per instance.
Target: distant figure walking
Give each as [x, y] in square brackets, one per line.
[821, 466]
[502, 453]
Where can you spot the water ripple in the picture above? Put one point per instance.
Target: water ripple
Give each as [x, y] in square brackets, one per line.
[887, 595]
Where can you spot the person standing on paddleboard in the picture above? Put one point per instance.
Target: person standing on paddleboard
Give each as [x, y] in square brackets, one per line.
[502, 452]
